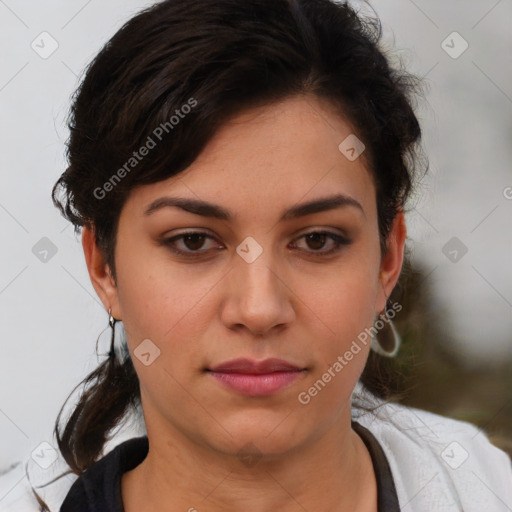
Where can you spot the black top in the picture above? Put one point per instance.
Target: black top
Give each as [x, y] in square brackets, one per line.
[98, 489]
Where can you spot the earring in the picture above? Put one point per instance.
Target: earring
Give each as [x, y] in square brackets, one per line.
[387, 345]
[112, 322]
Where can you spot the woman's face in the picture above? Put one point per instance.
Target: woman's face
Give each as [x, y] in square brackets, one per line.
[253, 285]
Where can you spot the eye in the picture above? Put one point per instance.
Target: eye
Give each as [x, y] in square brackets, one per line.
[317, 239]
[193, 241]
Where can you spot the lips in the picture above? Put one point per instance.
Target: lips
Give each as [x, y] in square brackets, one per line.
[256, 378]
[255, 367]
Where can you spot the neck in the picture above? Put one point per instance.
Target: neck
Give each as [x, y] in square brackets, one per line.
[335, 473]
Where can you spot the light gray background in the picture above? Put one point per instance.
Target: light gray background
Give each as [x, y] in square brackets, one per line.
[50, 315]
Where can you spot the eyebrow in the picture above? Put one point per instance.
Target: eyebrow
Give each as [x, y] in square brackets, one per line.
[206, 209]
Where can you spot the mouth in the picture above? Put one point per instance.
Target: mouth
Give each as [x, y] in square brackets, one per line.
[256, 378]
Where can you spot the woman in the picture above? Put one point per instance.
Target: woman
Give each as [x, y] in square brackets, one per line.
[239, 170]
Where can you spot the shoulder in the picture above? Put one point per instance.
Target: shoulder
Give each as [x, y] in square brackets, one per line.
[438, 463]
[16, 482]
[21, 479]
[51, 478]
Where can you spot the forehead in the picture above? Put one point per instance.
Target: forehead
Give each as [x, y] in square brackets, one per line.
[271, 157]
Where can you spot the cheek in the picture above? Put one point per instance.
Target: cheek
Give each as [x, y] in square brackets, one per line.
[343, 300]
[343, 311]
[174, 305]
[165, 303]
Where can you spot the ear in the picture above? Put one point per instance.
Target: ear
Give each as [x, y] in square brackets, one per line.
[99, 272]
[391, 263]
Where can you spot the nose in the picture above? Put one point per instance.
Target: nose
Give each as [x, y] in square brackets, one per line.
[257, 298]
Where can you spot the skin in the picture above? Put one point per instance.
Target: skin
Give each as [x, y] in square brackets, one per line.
[289, 303]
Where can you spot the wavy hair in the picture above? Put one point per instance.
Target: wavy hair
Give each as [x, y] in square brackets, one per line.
[226, 56]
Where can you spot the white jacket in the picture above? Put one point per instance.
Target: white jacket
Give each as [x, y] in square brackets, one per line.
[438, 464]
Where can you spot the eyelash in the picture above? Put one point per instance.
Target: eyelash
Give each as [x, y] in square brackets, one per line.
[339, 240]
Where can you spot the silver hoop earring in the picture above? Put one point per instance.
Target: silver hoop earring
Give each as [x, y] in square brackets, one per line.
[388, 345]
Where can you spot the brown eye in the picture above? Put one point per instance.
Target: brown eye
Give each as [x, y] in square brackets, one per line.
[192, 244]
[194, 241]
[316, 240]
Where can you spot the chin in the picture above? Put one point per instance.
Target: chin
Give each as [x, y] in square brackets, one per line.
[264, 433]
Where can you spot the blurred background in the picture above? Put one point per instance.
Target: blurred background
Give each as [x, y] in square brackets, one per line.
[456, 324]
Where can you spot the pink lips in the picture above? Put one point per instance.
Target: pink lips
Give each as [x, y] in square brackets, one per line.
[256, 378]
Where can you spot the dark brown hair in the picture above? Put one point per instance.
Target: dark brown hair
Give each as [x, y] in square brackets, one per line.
[182, 68]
